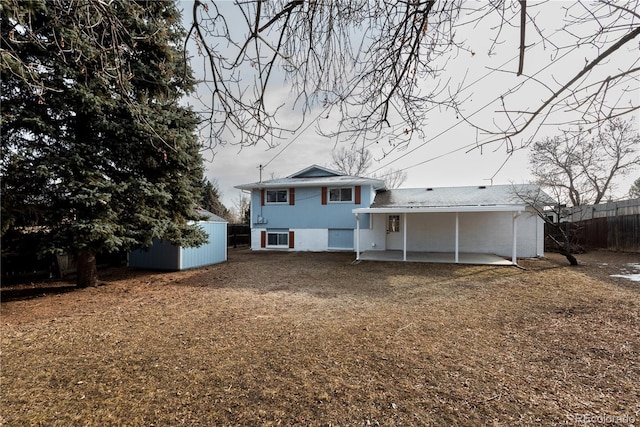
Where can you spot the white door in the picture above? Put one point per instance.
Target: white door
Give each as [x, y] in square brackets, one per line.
[394, 233]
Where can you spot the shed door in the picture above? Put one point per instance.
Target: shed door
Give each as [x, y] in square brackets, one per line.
[394, 232]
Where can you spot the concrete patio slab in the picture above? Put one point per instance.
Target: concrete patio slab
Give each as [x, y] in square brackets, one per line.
[436, 257]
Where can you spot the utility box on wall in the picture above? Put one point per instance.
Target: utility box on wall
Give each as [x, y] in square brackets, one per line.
[164, 256]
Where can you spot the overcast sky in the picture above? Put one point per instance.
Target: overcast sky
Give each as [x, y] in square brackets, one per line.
[438, 159]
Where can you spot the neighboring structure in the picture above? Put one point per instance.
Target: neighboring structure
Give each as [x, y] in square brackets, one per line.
[310, 210]
[163, 255]
[478, 220]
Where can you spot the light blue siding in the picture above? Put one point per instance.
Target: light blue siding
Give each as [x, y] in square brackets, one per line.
[164, 256]
[340, 239]
[212, 252]
[309, 212]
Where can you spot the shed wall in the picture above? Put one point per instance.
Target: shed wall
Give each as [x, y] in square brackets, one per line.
[167, 257]
[160, 256]
[212, 252]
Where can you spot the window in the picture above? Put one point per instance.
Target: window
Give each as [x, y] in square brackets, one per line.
[394, 224]
[341, 194]
[277, 196]
[279, 238]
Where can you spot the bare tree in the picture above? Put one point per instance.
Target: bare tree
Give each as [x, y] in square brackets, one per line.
[581, 167]
[377, 68]
[393, 178]
[356, 162]
[551, 212]
[242, 209]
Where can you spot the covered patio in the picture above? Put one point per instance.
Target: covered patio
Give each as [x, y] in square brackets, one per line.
[435, 257]
[489, 225]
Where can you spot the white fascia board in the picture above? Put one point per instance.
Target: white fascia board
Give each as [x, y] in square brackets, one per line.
[288, 184]
[431, 209]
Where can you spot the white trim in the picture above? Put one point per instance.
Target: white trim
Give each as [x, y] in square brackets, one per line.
[514, 259]
[335, 181]
[404, 237]
[358, 236]
[266, 196]
[446, 209]
[277, 246]
[351, 187]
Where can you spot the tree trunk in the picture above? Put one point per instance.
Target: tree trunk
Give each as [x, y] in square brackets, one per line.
[87, 271]
[572, 260]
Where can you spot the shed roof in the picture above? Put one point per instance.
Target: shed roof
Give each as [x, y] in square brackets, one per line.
[469, 198]
[210, 217]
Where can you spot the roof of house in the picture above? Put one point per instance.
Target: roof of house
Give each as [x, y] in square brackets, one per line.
[470, 198]
[315, 176]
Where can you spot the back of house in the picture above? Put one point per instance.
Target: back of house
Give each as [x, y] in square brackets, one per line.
[311, 210]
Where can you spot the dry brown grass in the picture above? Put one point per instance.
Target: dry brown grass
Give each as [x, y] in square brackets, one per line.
[309, 339]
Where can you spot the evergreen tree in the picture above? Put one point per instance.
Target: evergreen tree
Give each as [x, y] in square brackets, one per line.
[634, 191]
[96, 149]
[211, 199]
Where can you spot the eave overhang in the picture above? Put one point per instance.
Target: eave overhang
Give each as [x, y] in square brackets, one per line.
[442, 209]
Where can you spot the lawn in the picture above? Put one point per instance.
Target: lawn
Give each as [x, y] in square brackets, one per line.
[310, 339]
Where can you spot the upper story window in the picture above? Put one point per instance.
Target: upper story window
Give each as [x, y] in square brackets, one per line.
[341, 194]
[277, 196]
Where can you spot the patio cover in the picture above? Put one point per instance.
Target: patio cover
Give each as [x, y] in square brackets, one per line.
[498, 198]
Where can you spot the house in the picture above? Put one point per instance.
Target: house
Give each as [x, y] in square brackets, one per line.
[311, 210]
[162, 255]
[318, 209]
[459, 224]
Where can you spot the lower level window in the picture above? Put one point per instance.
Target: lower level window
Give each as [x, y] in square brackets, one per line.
[278, 239]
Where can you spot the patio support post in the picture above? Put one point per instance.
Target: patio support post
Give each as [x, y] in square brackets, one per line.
[404, 237]
[357, 237]
[514, 258]
[457, 236]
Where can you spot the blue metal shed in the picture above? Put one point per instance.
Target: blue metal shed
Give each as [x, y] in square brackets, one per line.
[164, 256]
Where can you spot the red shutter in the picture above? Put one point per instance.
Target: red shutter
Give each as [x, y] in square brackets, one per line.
[263, 239]
[292, 196]
[262, 197]
[324, 195]
[357, 194]
[291, 240]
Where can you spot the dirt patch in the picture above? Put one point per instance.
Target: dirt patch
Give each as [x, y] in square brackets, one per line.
[310, 339]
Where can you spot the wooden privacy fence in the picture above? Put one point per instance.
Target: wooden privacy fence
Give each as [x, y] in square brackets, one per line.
[238, 235]
[616, 233]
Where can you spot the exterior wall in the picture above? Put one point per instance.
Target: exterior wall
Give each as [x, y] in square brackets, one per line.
[165, 256]
[305, 239]
[308, 211]
[307, 217]
[212, 252]
[341, 238]
[160, 256]
[481, 232]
